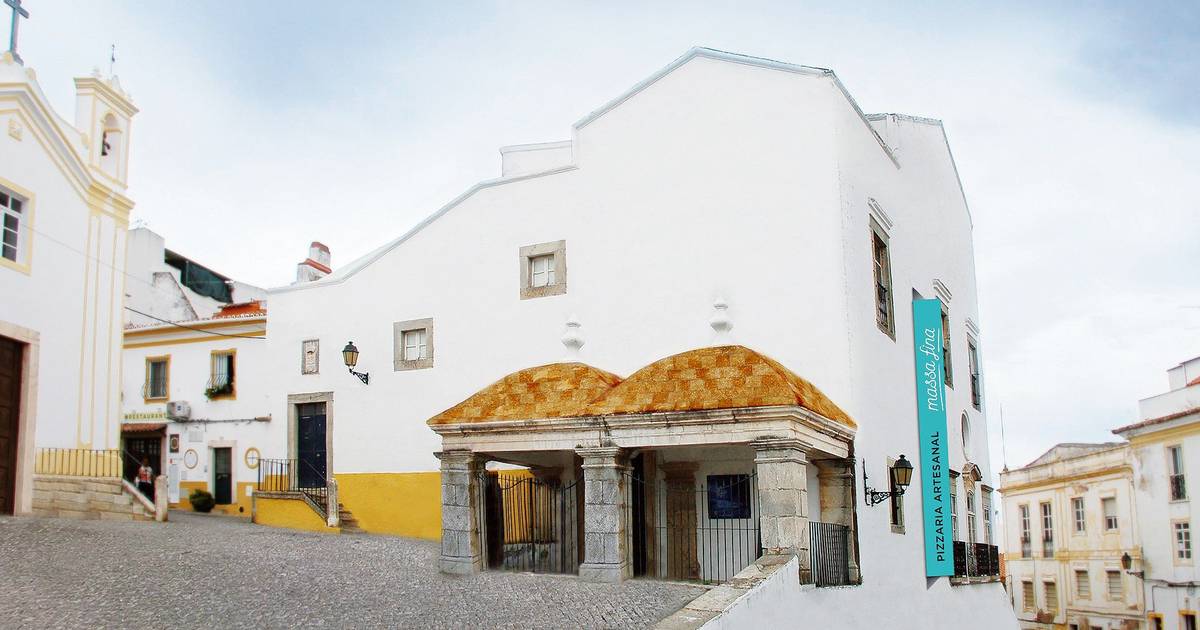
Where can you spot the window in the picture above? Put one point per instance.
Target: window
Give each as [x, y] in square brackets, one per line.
[1027, 600]
[1047, 531]
[310, 356]
[1175, 461]
[1083, 586]
[882, 264]
[1026, 542]
[896, 504]
[1051, 590]
[987, 515]
[971, 517]
[1183, 540]
[953, 505]
[948, 370]
[973, 366]
[1116, 590]
[1156, 622]
[965, 426]
[1080, 515]
[543, 269]
[413, 349]
[222, 379]
[1187, 621]
[1109, 505]
[12, 208]
[729, 496]
[157, 374]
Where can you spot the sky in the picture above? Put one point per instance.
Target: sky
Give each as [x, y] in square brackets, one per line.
[1075, 127]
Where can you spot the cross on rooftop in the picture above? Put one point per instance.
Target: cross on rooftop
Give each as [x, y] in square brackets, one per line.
[18, 13]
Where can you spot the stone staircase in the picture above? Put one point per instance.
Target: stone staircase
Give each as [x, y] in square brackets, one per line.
[349, 525]
[86, 498]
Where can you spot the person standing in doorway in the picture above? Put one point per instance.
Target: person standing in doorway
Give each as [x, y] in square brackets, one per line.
[145, 478]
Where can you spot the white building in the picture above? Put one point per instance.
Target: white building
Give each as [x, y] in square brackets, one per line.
[194, 382]
[1069, 518]
[1165, 445]
[720, 179]
[62, 196]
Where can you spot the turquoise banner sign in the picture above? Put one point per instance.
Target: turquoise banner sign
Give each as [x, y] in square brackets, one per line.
[931, 423]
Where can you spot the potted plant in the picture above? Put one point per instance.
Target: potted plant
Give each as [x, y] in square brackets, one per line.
[218, 390]
[202, 501]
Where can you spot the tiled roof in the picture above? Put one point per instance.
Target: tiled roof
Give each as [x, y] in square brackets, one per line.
[724, 377]
[548, 391]
[1159, 420]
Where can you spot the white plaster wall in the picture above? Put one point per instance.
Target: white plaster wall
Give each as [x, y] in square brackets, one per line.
[71, 300]
[719, 179]
[534, 158]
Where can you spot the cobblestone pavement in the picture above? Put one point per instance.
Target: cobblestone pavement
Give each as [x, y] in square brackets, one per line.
[210, 571]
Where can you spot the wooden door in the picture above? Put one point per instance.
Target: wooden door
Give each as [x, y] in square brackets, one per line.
[310, 445]
[223, 475]
[10, 411]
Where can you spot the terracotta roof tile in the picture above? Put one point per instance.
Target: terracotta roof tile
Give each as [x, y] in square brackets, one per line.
[548, 391]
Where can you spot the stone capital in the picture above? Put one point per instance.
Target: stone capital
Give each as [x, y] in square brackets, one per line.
[602, 456]
[771, 449]
[460, 459]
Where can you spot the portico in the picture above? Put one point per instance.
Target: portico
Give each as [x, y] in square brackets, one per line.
[671, 482]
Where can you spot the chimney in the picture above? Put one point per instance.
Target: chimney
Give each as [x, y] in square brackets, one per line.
[316, 266]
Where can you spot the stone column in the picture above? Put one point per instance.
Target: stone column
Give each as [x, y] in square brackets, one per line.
[836, 477]
[160, 498]
[461, 501]
[606, 553]
[682, 560]
[783, 498]
[333, 510]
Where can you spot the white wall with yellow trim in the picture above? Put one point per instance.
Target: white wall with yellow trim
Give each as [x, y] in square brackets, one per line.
[66, 284]
[240, 421]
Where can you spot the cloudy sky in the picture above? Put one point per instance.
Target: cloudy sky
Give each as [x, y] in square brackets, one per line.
[1076, 128]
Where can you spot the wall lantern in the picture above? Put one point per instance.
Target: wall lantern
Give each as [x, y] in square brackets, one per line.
[1127, 564]
[901, 476]
[350, 356]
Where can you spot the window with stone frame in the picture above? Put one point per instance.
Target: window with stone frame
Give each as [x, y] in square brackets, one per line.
[987, 514]
[1077, 507]
[953, 505]
[12, 208]
[1026, 533]
[881, 263]
[1047, 530]
[1051, 590]
[1116, 589]
[543, 269]
[1028, 603]
[1083, 584]
[412, 344]
[976, 382]
[222, 380]
[1109, 506]
[1183, 541]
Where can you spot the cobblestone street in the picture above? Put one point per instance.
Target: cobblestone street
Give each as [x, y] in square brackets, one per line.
[207, 571]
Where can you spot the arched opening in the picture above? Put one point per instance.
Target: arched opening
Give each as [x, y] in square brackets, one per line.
[110, 145]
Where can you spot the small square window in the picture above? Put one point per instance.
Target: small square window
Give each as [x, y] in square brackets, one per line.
[413, 344]
[543, 269]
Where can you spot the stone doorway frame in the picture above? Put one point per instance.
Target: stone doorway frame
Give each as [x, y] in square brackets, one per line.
[26, 415]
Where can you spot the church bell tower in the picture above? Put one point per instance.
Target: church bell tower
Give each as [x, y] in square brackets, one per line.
[103, 112]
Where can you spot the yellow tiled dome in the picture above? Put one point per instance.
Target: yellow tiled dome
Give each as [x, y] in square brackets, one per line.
[723, 377]
[548, 391]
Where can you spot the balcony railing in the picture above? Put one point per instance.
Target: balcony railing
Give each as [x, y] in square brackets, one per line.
[294, 476]
[829, 553]
[976, 559]
[1178, 488]
[78, 462]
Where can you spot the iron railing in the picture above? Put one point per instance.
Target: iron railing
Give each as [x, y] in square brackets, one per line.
[133, 462]
[829, 553]
[78, 462]
[294, 476]
[1178, 488]
[679, 531]
[976, 559]
[529, 524]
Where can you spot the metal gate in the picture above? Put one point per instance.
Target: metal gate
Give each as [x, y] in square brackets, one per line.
[829, 549]
[681, 531]
[528, 524]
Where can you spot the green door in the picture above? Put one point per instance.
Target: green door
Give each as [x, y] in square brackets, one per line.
[223, 475]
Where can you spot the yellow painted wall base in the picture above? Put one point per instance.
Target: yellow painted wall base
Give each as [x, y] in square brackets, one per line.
[290, 513]
[240, 507]
[399, 504]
